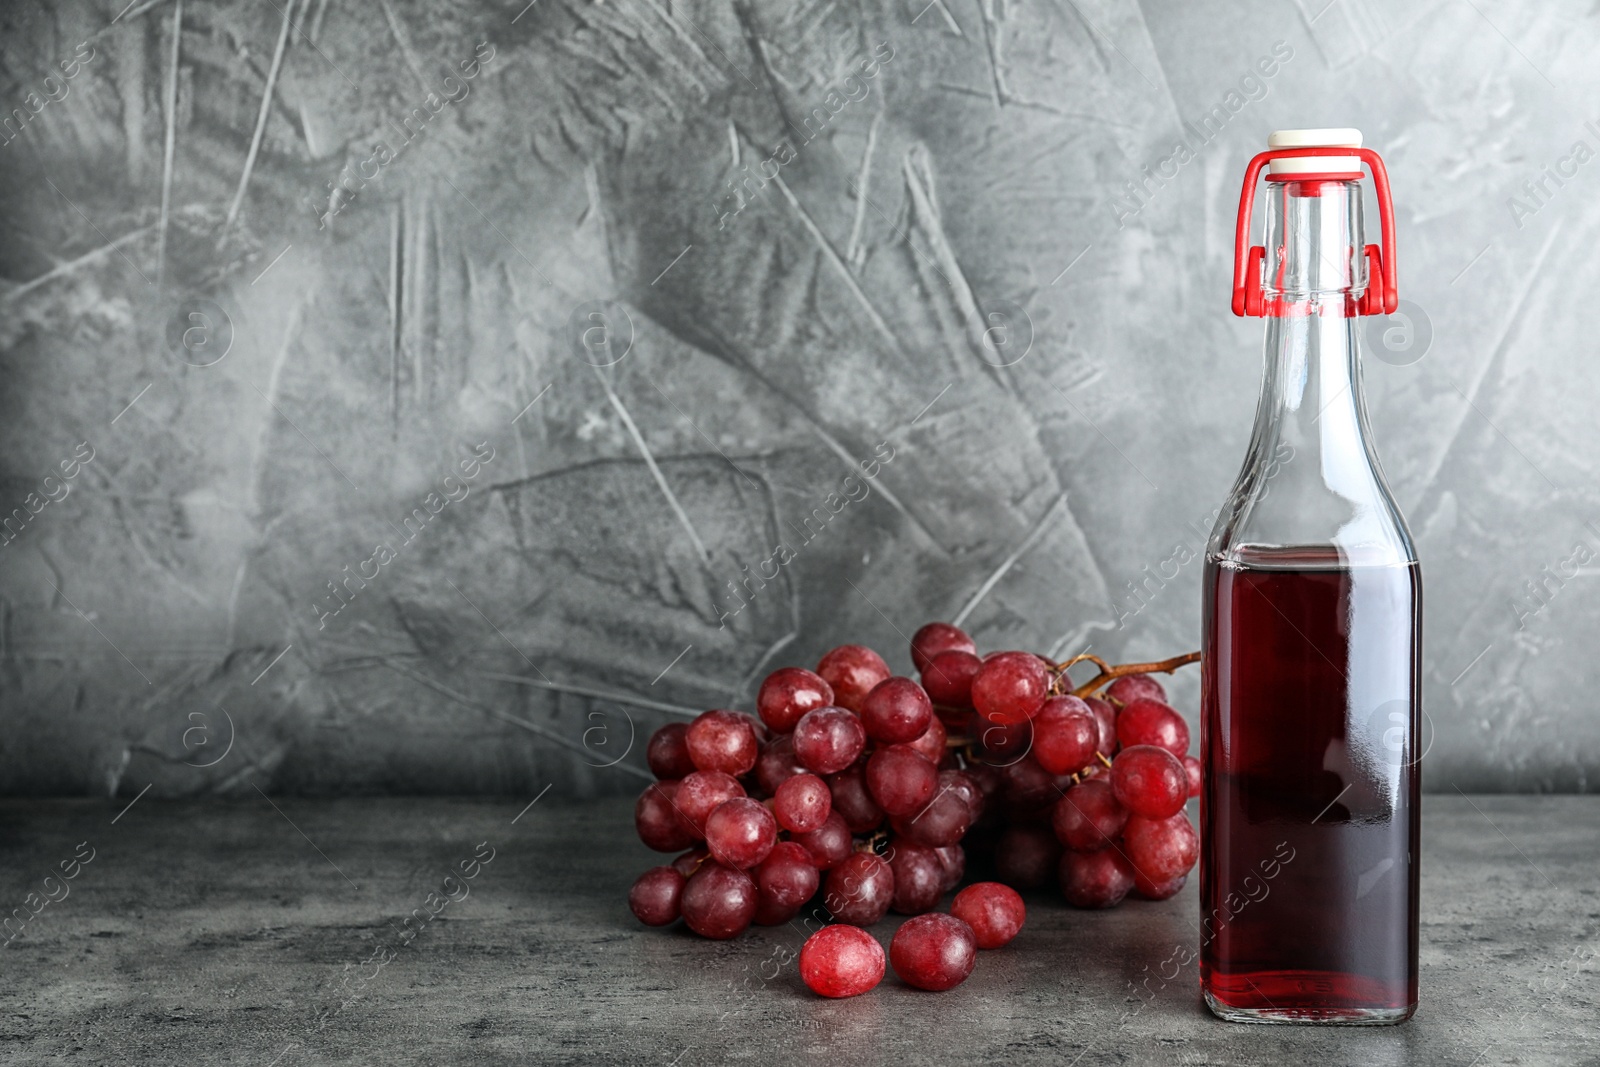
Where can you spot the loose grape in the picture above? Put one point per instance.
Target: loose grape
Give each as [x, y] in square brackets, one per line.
[718, 902]
[918, 877]
[852, 801]
[1161, 849]
[723, 741]
[828, 740]
[1065, 735]
[852, 671]
[802, 803]
[656, 818]
[777, 764]
[947, 678]
[937, 637]
[1149, 781]
[1150, 722]
[699, 794]
[829, 845]
[787, 694]
[858, 891]
[934, 952]
[1026, 857]
[1131, 687]
[1088, 817]
[740, 832]
[1010, 687]
[994, 911]
[901, 779]
[1095, 879]
[785, 880]
[668, 752]
[654, 897]
[1192, 769]
[896, 711]
[841, 961]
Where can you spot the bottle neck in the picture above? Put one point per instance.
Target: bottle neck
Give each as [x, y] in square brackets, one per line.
[1314, 276]
[1312, 477]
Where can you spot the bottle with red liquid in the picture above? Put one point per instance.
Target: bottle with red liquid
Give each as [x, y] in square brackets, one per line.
[1311, 700]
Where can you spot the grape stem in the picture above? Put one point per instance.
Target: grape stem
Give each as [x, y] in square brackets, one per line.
[1109, 674]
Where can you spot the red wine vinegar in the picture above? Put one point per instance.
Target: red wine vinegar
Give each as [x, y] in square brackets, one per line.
[1310, 721]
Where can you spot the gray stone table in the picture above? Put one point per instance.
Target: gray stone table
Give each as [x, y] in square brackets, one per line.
[256, 931]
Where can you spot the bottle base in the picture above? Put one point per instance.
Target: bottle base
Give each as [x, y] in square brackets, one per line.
[1306, 1016]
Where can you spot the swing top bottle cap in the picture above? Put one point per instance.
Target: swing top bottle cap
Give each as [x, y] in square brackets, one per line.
[1332, 138]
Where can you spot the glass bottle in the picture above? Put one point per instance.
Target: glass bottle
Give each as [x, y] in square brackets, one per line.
[1311, 700]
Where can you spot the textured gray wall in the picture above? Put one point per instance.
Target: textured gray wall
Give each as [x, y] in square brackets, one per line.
[272, 378]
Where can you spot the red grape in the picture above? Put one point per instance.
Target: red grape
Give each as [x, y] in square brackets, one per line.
[994, 911]
[700, 794]
[1150, 722]
[852, 671]
[1010, 687]
[786, 879]
[1105, 716]
[943, 821]
[1158, 890]
[937, 637]
[934, 952]
[1005, 743]
[1131, 687]
[1027, 856]
[1088, 817]
[718, 902]
[858, 891]
[828, 740]
[654, 897]
[829, 845]
[947, 678]
[802, 803]
[918, 877]
[1025, 786]
[852, 801]
[1065, 735]
[1161, 849]
[932, 742]
[777, 764]
[1095, 879]
[787, 694]
[1192, 769]
[723, 741]
[966, 785]
[1149, 781]
[740, 832]
[656, 818]
[896, 711]
[953, 859]
[841, 961]
[901, 779]
[668, 751]
[690, 861]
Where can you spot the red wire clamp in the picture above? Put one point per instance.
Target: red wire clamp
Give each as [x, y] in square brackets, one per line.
[1382, 296]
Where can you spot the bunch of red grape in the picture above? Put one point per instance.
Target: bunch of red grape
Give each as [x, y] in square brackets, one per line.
[873, 789]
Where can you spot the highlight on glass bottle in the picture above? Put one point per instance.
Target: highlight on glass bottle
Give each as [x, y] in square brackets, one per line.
[1311, 699]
